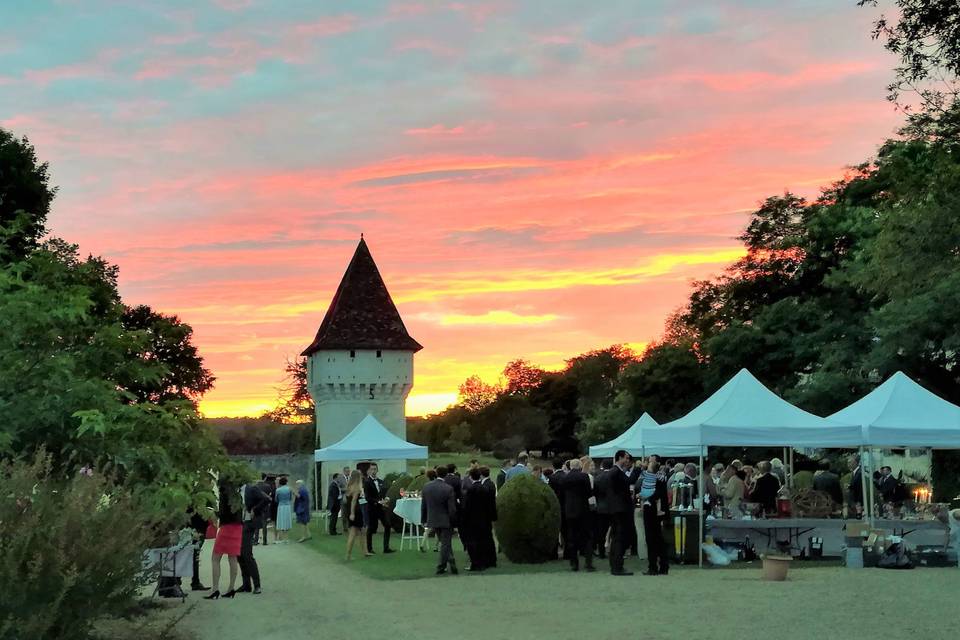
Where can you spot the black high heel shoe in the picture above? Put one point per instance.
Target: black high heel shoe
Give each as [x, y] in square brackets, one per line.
[213, 596]
[230, 594]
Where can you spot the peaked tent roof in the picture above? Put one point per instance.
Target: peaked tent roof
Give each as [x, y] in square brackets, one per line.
[901, 413]
[370, 440]
[632, 442]
[744, 412]
[362, 314]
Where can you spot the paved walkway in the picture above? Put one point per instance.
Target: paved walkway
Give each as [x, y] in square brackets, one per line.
[309, 596]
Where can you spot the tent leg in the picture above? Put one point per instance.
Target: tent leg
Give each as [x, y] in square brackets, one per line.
[702, 508]
[863, 484]
[790, 470]
[873, 495]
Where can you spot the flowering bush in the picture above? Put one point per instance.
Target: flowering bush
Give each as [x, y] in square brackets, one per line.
[70, 551]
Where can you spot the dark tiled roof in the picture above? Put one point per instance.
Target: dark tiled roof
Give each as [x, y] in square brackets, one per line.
[362, 314]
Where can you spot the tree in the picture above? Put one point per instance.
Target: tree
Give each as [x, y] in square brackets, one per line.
[25, 195]
[168, 341]
[296, 404]
[521, 376]
[64, 356]
[926, 38]
[475, 394]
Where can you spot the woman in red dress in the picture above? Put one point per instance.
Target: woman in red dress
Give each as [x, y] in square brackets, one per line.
[229, 535]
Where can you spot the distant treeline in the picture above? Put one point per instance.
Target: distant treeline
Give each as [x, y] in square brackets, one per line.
[262, 436]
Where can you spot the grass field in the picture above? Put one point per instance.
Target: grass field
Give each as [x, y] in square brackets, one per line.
[408, 564]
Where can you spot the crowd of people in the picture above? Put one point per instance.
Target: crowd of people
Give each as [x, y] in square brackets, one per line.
[242, 515]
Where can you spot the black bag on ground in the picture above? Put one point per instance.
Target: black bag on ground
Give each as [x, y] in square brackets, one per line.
[895, 557]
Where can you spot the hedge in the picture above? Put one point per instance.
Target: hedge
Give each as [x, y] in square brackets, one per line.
[528, 520]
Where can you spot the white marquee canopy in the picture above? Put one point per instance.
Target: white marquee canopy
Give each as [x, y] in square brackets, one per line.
[370, 440]
[633, 443]
[901, 413]
[744, 412]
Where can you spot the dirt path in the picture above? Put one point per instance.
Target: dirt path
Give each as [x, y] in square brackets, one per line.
[308, 596]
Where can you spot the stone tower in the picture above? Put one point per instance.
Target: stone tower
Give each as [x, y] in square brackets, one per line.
[361, 360]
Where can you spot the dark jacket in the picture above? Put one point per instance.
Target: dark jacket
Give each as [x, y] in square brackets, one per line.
[453, 480]
[374, 491]
[765, 492]
[576, 490]
[856, 487]
[256, 502]
[887, 486]
[438, 506]
[479, 506]
[829, 483]
[616, 486]
[555, 482]
[334, 495]
[501, 478]
[601, 488]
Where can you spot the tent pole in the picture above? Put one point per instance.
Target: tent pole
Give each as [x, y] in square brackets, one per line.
[873, 495]
[863, 484]
[789, 477]
[700, 532]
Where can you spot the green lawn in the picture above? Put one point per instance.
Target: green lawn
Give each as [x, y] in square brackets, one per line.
[408, 564]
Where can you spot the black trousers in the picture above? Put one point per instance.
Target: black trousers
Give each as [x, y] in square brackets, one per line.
[657, 559]
[579, 541]
[619, 538]
[601, 527]
[248, 566]
[334, 515]
[196, 564]
[632, 539]
[256, 534]
[378, 515]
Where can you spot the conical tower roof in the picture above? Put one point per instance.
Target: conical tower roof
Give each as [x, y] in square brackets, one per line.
[362, 314]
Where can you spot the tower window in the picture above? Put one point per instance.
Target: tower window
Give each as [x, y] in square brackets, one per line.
[379, 353]
[353, 354]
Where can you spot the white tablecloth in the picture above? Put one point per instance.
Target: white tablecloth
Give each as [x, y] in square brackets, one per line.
[408, 509]
[175, 563]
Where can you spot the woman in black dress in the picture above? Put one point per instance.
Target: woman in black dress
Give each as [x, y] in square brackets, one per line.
[354, 510]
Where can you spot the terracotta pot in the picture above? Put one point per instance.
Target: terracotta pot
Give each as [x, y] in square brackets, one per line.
[775, 568]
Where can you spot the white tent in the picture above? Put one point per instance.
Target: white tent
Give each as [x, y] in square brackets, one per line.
[632, 442]
[901, 413]
[370, 440]
[745, 413]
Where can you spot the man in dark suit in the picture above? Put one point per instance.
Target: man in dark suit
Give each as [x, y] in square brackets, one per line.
[375, 493]
[438, 509]
[502, 474]
[576, 500]
[652, 488]
[256, 506]
[270, 489]
[619, 479]
[479, 512]
[887, 484]
[765, 488]
[602, 520]
[855, 488]
[334, 500]
[485, 544]
[555, 482]
[828, 482]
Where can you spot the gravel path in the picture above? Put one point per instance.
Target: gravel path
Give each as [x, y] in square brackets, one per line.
[309, 596]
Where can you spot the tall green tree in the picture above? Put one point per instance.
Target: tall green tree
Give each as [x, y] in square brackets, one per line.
[25, 195]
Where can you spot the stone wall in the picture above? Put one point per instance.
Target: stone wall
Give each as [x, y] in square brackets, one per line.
[297, 466]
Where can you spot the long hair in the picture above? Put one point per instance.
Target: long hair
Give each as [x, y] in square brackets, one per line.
[354, 484]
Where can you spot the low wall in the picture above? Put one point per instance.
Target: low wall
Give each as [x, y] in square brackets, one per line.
[297, 466]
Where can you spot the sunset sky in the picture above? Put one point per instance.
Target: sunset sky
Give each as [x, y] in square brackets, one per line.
[534, 178]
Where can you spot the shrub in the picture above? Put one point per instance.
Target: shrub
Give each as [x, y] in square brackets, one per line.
[508, 447]
[70, 551]
[528, 520]
[417, 483]
[802, 480]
